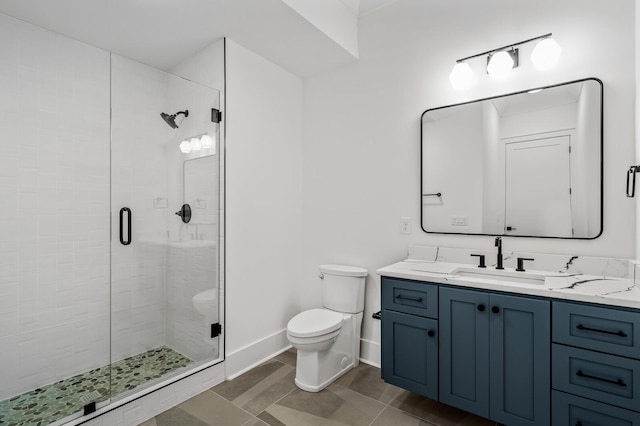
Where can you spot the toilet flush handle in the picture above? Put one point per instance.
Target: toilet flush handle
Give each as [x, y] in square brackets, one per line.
[321, 276]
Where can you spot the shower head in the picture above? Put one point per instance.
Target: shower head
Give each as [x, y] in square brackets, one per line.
[171, 119]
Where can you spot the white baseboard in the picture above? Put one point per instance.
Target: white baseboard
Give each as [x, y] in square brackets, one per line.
[242, 360]
[254, 354]
[370, 352]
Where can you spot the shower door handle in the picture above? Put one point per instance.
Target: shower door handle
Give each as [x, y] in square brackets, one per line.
[126, 210]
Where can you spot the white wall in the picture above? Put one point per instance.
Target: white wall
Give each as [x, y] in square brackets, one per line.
[54, 223]
[637, 118]
[264, 189]
[361, 125]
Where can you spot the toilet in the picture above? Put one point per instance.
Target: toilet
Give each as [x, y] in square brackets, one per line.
[328, 339]
[206, 303]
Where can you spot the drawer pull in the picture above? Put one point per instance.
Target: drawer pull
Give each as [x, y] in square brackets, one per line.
[413, 299]
[618, 382]
[616, 333]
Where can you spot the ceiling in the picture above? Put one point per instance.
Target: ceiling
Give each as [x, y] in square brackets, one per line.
[161, 33]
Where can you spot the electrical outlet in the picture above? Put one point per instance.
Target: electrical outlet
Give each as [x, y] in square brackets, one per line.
[405, 225]
[459, 220]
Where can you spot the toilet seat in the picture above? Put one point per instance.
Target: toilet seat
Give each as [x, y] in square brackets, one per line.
[314, 322]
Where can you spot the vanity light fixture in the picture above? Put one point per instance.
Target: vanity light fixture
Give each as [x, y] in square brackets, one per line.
[502, 60]
[461, 76]
[185, 147]
[206, 140]
[546, 54]
[197, 143]
[501, 63]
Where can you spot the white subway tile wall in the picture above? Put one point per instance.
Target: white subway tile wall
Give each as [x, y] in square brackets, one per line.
[54, 224]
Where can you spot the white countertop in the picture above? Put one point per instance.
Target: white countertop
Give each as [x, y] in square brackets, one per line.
[556, 285]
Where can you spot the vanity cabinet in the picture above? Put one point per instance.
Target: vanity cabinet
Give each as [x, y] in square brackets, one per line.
[495, 355]
[483, 352]
[596, 357]
[410, 335]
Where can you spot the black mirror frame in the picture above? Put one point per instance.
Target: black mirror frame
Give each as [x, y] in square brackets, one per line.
[422, 195]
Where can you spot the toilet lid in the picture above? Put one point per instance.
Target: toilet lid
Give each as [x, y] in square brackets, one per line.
[314, 322]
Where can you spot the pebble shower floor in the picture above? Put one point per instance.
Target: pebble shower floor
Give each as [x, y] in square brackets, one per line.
[56, 401]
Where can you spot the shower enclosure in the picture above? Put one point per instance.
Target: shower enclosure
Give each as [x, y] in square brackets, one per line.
[107, 286]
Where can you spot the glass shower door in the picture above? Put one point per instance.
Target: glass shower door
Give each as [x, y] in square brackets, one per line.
[164, 251]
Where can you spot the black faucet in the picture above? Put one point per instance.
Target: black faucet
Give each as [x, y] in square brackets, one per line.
[499, 245]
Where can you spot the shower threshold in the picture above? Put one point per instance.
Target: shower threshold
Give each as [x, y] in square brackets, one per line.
[56, 401]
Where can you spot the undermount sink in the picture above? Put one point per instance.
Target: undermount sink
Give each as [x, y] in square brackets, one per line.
[502, 275]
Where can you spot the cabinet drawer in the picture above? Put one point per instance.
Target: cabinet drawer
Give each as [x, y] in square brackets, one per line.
[606, 378]
[411, 297]
[572, 410]
[602, 329]
[410, 352]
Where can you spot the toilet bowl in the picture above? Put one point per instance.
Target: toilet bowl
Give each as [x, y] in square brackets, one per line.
[206, 303]
[314, 330]
[327, 339]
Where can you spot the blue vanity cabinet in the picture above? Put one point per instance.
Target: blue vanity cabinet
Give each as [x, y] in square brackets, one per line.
[410, 335]
[495, 355]
[596, 357]
[520, 360]
[464, 350]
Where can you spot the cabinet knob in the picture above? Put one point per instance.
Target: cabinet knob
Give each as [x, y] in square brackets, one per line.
[481, 307]
[431, 333]
[495, 309]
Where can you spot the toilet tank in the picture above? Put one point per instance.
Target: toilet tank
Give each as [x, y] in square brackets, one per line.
[343, 288]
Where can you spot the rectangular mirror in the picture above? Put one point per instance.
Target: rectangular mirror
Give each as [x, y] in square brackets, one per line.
[525, 164]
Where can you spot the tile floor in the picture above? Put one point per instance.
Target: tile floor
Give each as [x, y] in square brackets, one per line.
[61, 399]
[267, 395]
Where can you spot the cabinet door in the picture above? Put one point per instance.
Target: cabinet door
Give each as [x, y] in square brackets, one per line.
[464, 350]
[520, 360]
[410, 352]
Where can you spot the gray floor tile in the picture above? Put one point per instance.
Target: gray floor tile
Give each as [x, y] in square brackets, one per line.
[435, 412]
[268, 391]
[236, 387]
[212, 409]
[321, 404]
[336, 405]
[367, 380]
[288, 357]
[269, 419]
[278, 415]
[394, 417]
[178, 417]
[255, 422]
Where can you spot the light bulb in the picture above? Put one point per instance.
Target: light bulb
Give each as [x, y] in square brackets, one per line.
[461, 76]
[206, 140]
[185, 147]
[546, 54]
[195, 144]
[500, 64]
